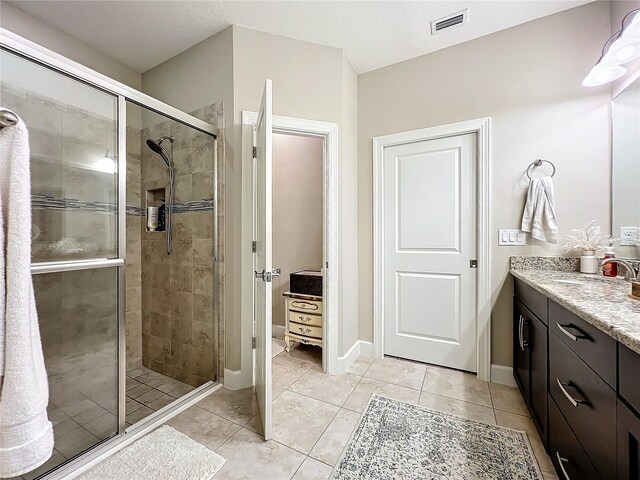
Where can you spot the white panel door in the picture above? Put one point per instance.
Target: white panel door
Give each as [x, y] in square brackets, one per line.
[263, 257]
[429, 240]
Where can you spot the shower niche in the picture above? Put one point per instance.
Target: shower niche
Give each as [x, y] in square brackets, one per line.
[156, 209]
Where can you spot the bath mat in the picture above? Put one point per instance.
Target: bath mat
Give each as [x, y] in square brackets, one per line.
[398, 440]
[164, 454]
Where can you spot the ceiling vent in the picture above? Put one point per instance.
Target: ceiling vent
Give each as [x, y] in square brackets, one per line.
[450, 21]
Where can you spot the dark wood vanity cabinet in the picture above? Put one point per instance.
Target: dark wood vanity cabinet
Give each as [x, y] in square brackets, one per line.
[530, 355]
[581, 387]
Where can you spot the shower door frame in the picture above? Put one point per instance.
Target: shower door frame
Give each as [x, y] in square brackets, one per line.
[42, 56]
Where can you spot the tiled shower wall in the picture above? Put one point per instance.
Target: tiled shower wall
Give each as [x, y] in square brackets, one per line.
[135, 222]
[179, 336]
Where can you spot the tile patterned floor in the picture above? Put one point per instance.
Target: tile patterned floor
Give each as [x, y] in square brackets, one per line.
[149, 391]
[85, 412]
[315, 414]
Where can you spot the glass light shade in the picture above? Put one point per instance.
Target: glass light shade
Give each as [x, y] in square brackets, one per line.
[601, 74]
[627, 46]
[622, 50]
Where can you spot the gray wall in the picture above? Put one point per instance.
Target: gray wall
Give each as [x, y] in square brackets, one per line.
[528, 80]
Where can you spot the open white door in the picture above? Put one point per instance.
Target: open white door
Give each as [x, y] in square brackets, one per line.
[263, 204]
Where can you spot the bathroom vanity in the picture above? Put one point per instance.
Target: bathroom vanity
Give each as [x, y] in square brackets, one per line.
[576, 347]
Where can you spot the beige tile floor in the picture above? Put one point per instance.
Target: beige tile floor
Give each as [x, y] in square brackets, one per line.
[314, 414]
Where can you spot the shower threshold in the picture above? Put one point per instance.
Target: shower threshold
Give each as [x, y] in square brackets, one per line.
[97, 454]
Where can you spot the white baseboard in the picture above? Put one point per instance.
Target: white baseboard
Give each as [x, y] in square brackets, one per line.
[358, 348]
[277, 331]
[236, 380]
[366, 348]
[502, 375]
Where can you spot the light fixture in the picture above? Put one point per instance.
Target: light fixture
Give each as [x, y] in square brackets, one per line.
[105, 164]
[626, 46]
[622, 47]
[601, 74]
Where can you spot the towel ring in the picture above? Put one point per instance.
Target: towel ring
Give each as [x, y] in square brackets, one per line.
[539, 162]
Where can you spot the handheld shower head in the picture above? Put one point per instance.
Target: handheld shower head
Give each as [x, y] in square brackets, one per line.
[156, 146]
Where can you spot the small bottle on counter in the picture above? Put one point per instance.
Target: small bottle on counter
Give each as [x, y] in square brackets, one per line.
[611, 269]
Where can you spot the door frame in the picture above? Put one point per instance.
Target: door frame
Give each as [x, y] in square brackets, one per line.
[329, 133]
[481, 127]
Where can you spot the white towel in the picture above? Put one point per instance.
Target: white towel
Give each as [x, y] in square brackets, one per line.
[539, 217]
[26, 434]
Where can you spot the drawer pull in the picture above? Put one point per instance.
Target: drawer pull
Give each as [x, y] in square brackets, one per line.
[563, 329]
[573, 401]
[304, 329]
[523, 344]
[304, 305]
[561, 462]
[304, 319]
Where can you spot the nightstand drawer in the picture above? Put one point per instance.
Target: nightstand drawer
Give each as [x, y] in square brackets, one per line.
[307, 330]
[302, 305]
[305, 318]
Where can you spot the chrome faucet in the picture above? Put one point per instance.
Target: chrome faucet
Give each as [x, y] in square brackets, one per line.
[631, 274]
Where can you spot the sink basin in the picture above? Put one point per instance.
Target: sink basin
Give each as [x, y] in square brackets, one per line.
[570, 282]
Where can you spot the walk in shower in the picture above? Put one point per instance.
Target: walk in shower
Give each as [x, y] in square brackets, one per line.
[129, 315]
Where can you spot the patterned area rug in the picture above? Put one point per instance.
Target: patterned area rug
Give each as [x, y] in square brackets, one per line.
[397, 440]
[164, 454]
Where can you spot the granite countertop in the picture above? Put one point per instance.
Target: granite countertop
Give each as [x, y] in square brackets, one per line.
[603, 302]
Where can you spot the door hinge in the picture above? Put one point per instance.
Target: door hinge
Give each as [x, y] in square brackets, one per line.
[253, 343]
[473, 263]
[255, 152]
[254, 246]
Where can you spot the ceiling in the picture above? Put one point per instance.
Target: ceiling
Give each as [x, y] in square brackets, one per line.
[143, 34]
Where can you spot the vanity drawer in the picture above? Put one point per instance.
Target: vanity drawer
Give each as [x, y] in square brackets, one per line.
[306, 330]
[587, 403]
[303, 305]
[535, 301]
[629, 366]
[305, 318]
[595, 347]
[568, 457]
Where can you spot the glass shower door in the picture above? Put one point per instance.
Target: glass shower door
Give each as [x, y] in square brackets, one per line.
[76, 256]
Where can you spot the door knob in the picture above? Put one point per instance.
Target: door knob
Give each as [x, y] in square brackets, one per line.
[268, 276]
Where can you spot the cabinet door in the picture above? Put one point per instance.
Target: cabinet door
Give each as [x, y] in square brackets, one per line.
[537, 344]
[628, 443]
[520, 348]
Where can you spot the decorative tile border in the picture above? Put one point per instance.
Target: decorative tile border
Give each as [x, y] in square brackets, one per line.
[194, 206]
[47, 202]
[558, 264]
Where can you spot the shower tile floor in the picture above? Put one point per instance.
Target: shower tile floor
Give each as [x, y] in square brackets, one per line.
[85, 411]
[149, 391]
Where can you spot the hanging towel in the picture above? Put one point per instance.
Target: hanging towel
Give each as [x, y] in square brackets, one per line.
[26, 434]
[539, 217]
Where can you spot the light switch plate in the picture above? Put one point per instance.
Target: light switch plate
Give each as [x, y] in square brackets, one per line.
[512, 237]
[628, 236]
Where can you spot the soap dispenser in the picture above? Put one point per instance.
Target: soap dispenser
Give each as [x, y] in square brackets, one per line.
[610, 269]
